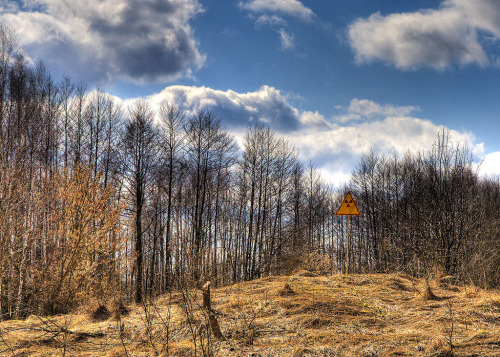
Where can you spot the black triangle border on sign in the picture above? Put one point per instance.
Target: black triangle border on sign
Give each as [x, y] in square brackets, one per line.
[342, 205]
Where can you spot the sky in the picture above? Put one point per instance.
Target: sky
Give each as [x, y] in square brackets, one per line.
[336, 77]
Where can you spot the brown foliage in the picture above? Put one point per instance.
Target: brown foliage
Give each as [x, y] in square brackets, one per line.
[81, 262]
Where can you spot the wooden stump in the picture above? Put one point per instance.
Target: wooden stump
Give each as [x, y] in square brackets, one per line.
[428, 294]
[212, 319]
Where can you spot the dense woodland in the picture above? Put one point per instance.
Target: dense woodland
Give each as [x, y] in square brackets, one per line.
[98, 201]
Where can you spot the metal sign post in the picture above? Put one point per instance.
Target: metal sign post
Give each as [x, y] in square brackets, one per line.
[347, 250]
[348, 208]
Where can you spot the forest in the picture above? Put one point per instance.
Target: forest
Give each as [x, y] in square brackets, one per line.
[98, 201]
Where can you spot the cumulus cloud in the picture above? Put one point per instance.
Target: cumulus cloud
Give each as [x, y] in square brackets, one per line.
[142, 41]
[436, 38]
[490, 165]
[334, 146]
[315, 120]
[389, 135]
[266, 105]
[337, 151]
[286, 7]
[481, 14]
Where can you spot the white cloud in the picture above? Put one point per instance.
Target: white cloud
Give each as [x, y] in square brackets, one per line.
[364, 109]
[481, 14]
[490, 166]
[266, 105]
[389, 135]
[331, 175]
[333, 146]
[287, 40]
[134, 40]
[286, 7]
[272, 16]
[270, 20]
[336, 151]
[428, 38]
[314, 120]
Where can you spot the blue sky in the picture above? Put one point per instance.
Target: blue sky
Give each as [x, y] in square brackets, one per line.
[336, 77]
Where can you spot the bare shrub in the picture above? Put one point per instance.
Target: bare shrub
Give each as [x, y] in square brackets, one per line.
[119, 309]
[317, 263]
[245, 326]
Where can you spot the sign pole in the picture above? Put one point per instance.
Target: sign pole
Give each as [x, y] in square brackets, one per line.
[347, 256]
[348, 208]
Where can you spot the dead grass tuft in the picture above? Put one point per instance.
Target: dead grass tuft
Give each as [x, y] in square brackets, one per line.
[314, 352]
[286, 290]
[315, 322]
[490, 305]
[439, 347]
[398, 284]
[320, 264]
[306, 273]
[449, 287]
[100, 313]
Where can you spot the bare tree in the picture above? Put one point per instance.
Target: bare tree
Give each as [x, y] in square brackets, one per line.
[140, 149]
[209, 148]
[172, 120]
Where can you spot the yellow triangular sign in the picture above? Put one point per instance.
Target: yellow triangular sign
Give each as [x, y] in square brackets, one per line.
[348, 207]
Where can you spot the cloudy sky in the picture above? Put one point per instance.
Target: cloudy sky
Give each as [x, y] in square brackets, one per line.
[336, 77]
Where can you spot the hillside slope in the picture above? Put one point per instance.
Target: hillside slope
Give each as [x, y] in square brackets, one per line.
[355, 315]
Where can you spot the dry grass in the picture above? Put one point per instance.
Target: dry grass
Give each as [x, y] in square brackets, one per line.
[355, 315]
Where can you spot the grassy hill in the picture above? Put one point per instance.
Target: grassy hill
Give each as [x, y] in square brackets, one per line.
[299, 315]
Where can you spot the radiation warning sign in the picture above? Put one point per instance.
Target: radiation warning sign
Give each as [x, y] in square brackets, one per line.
[348, 207]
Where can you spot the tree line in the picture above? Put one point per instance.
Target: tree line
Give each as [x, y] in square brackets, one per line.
[98, 201]
[428, 211]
